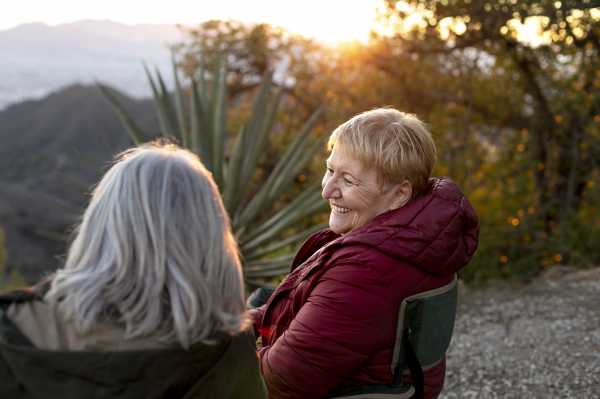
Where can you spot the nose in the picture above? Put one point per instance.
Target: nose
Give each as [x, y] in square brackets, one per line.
[330, 189]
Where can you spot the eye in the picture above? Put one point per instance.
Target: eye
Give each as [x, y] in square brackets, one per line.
[348, 182]
[329, 170]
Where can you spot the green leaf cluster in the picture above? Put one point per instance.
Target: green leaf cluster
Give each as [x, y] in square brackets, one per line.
[202, 130]
[9, 278]
[516, 119]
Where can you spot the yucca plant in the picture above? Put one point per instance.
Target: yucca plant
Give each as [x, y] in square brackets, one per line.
[203, 132]
[9, 277]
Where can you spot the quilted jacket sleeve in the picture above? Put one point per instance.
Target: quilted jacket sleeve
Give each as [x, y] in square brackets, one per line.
[345, 320]
[256, 316]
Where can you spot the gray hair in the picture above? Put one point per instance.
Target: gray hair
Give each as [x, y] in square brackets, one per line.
[154, 253]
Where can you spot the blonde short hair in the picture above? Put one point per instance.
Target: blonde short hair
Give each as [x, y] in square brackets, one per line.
[398, 144]
[154, 253]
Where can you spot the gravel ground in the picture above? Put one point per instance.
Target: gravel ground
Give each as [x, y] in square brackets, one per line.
[540, 340]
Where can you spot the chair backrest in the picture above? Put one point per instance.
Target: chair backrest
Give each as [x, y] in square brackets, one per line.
[429, 318]
[259, 298]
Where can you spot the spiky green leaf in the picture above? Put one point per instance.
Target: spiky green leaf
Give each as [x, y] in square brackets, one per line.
[200, 139]
[180, 109]
[279, 271]
[257, 283]
[232, 187]
[293, 169]
[202, 87]
[266, 195]
[54, 236]
[267, 264]
[83, 157]
[168, 104]
[161, 109]
[218, 123]
[292, 215]
[81, 185]
[132, 128]
[304, 195]
[63, 204]
[288, 241]
[253, 141]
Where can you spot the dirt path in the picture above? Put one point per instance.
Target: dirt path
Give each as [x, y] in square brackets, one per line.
[540, 340]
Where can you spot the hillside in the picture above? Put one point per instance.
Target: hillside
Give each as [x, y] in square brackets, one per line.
[32, 161]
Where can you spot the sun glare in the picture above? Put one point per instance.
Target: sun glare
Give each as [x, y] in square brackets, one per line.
[530, 31]
[330, 20]
[420, 17]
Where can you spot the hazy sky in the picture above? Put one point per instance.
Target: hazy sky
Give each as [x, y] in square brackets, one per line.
[329, 20]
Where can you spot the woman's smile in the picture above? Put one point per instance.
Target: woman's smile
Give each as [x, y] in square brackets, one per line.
[340, 209]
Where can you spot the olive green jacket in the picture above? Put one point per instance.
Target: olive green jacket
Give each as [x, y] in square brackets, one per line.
[227, 370]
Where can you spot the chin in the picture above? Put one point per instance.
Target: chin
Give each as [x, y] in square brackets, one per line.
[339, 229]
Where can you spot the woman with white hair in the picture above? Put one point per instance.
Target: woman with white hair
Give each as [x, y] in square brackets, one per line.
[149, 303]
[330, 328]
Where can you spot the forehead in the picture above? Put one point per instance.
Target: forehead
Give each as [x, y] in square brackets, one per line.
[343, 161]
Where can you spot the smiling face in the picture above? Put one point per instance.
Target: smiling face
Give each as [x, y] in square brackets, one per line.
[354, 195]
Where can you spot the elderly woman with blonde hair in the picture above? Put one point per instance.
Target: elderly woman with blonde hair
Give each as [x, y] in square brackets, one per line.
[149, 303]
[331, 328]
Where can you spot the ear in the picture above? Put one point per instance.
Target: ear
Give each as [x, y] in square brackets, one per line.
[402, 194]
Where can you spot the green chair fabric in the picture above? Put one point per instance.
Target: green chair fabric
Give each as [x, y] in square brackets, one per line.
[423, 334]
[372, 392]
[259, 297]
[429, 317]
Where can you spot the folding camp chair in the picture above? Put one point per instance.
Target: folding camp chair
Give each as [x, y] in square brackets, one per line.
[259, 298]
[423, 334]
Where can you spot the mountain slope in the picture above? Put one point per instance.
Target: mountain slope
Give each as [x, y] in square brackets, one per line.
[33, 161]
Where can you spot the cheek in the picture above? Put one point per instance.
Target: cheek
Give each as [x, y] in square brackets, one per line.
[366, 205]
[363, 200]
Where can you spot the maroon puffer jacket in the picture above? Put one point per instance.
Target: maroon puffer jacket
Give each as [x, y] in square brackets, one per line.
[332, 321]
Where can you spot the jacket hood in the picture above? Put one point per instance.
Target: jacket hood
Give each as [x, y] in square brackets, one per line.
[437, 232]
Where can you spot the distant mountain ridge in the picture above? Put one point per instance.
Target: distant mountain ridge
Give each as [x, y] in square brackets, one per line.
[33, 162]
[90, 37]
[38, 59]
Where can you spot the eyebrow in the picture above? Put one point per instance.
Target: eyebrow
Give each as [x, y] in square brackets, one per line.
[344, 172]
